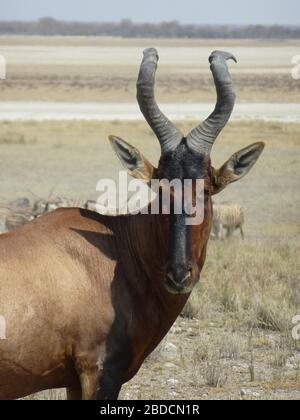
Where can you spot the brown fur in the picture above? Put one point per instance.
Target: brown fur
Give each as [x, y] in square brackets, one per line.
[82, 294]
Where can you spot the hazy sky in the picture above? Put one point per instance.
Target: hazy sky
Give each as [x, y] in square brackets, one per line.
[190, 11]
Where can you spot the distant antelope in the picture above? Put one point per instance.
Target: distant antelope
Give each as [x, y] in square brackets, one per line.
[86, 297]
[42, 206]
[16, 219]
[20, 212]
[16, 213]
[229, 217]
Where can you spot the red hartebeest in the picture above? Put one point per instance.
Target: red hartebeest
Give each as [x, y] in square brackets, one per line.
[87, 297]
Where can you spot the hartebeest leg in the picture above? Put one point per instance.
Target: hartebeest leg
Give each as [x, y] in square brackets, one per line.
[117, 359]
[242, 232]
[74, 393]
[217, 230]
[86, 391]
[230, 231]
[110, 385]
[89, 383]
[86, 366]
[111, 379]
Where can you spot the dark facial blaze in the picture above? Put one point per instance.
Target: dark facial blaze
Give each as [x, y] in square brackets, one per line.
[185, 244]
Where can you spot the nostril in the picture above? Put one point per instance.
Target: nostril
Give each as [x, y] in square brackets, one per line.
[178, 282]
[171, 277]
[179, 278]
[187, 276]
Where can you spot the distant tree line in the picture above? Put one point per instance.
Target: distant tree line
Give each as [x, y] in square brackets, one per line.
[127, 28]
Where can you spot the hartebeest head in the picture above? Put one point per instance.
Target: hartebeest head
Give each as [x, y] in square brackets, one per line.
[187, 158]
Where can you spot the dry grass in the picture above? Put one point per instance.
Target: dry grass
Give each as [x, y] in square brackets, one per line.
[258, 287]
[94, 84]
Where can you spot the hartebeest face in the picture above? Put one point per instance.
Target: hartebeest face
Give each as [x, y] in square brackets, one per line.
[187, 158]
[187, 242]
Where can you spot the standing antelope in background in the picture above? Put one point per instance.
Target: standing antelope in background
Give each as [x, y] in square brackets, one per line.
[86, 297]
[229, 217]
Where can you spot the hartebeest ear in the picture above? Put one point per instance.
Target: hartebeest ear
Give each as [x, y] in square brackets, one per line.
[131, 158]
[236, 167]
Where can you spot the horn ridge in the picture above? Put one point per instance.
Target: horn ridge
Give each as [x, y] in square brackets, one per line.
[203, 137]
[168, 135]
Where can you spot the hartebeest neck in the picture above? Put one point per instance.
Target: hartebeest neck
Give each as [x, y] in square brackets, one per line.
[148, 246]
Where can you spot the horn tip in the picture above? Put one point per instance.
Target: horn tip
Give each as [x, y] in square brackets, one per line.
[150, 52]
[223, 55]
[112, 138]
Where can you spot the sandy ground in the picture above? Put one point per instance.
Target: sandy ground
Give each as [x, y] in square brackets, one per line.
[107, 41]
[251, 58]
[252, 55]
[105, 70]
[56, 111]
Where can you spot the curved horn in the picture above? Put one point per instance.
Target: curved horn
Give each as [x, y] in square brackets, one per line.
[168, 135]
[203, 137]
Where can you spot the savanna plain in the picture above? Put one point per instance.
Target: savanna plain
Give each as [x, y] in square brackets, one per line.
[234, 339]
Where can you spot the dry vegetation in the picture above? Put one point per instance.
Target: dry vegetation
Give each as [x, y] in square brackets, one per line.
[97, 69]
[91, 84]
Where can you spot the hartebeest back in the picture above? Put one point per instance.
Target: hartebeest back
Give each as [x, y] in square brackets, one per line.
[87, 297]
